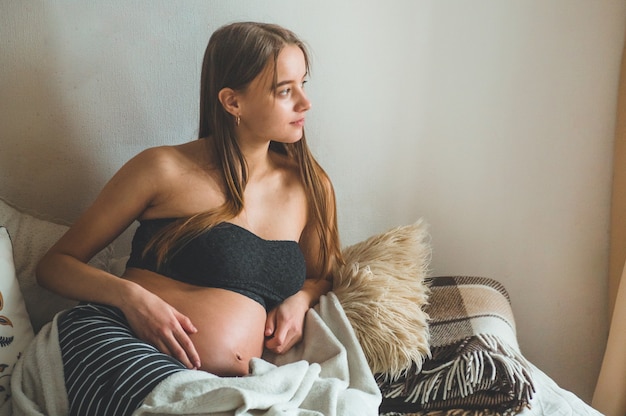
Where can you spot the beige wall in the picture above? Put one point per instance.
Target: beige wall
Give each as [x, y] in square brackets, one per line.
[493, 120]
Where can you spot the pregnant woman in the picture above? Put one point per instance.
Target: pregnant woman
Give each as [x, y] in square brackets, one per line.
[236, 239]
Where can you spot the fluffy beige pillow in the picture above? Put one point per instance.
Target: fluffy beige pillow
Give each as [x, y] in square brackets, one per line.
[382, 290]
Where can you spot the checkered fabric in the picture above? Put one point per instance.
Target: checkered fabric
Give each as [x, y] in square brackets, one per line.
[476, 368]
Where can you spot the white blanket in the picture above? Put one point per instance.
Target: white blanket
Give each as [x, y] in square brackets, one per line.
[326, 374]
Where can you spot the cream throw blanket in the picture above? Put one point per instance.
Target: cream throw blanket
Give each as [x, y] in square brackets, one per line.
[326, 374]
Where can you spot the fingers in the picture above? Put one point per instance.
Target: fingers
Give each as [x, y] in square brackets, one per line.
[184, 350]
[185, 342]
[161, 325]
[185, 323]
[180, 345]
[171, 337]
[284, 337]
[275, 344]
[270, 323]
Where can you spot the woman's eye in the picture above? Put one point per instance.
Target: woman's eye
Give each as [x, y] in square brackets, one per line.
[287, 91]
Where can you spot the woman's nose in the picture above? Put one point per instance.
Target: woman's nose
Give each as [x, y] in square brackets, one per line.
[303, 103]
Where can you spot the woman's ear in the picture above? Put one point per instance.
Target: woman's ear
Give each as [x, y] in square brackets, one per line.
[229, 99]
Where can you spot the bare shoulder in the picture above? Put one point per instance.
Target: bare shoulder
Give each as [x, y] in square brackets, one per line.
[142, 179]
[166, 159]
[162, 165]
[180, 178]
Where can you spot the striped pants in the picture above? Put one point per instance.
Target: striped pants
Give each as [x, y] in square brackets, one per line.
[108, 371]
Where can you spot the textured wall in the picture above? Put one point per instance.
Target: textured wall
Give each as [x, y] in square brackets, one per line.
[493, 120]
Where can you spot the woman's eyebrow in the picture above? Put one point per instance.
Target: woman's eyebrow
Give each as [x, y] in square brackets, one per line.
[285, 82]
[289, 81]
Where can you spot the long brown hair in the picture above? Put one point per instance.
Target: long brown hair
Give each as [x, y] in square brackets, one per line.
[236, 55]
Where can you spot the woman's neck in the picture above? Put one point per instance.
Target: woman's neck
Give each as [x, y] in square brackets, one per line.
[258, 159]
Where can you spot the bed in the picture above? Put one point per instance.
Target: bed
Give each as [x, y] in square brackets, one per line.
[441, 345]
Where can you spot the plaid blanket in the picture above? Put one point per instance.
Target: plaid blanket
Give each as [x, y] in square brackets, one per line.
[476, 367]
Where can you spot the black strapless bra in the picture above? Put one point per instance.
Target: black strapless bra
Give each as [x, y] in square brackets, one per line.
[228, 257]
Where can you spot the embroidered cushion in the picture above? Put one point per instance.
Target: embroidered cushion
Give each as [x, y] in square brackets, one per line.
[15, 328]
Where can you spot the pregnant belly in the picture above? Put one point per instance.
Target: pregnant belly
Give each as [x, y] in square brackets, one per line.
[230, 325]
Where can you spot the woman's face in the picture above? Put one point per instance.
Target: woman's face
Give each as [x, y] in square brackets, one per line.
[277, 114]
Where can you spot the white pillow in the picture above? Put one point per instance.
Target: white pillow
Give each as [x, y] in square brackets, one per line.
[32, 236]
[15, 328]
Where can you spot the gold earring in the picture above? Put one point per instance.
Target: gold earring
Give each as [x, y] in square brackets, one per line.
[238, 120]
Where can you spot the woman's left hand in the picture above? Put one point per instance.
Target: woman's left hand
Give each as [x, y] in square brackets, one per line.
[285, 323]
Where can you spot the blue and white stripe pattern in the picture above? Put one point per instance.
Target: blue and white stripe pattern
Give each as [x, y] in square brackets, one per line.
[108, 370]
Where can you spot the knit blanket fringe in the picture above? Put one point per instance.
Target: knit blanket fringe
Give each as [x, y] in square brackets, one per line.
[473, 371]
[490, 376]
[453, 412]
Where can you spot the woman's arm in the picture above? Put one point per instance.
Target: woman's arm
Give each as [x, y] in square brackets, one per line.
[64, 268]
[285, 323]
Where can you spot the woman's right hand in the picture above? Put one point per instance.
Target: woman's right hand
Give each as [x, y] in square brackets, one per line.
[158, 323]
